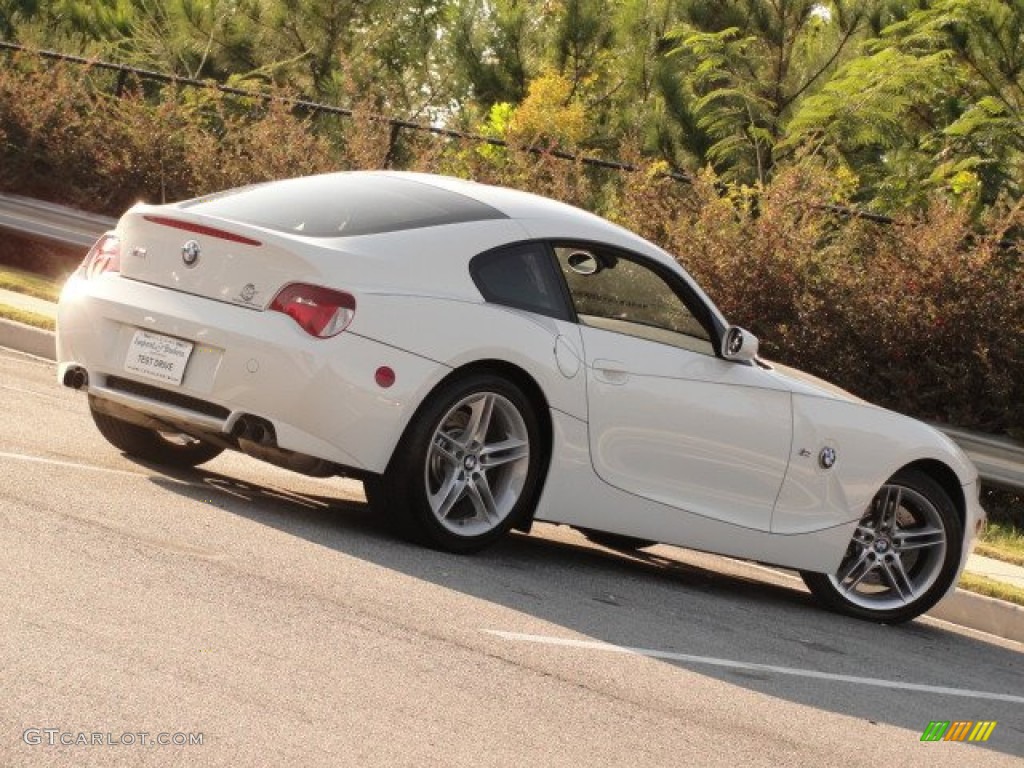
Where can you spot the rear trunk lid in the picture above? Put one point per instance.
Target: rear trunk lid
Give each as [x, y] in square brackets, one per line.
[205, 256]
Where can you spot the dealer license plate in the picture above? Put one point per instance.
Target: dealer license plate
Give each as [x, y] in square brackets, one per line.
[158, 357]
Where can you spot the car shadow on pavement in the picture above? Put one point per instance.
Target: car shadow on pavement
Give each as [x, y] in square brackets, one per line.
[670, 600]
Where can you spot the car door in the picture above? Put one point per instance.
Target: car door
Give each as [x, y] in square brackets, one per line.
[668, 419]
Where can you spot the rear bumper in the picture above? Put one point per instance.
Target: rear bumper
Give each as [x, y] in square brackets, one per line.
[320, 394]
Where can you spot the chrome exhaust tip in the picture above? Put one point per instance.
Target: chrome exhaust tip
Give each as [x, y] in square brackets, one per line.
[255, 430]
[76, 378]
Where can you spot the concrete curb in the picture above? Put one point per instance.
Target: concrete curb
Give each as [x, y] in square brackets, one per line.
[960, 607]
[997, 617]
[27, 338]
[986, 614]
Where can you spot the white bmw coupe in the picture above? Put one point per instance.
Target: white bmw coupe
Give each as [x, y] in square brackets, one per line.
[482, 358]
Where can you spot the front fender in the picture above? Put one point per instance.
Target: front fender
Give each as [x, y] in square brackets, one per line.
[871, 444]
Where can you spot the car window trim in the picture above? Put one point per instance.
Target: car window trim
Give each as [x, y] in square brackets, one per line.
[701, 312]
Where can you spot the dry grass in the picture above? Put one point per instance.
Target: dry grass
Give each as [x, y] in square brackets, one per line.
[1002, 541]
[28, 318]
[982, 585]
[22, 281]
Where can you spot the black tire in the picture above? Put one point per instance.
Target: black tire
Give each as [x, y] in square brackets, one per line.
[150, 445]
[924, 502]
[616, 540]
[373, 488]
[403, 492]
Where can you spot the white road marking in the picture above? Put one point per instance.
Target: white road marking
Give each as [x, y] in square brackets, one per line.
[72, 464]
[731, 664]
[928, 618]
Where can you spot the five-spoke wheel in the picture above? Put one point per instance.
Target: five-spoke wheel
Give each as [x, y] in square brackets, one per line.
[903, 555]
[477, 463]
[467, 468]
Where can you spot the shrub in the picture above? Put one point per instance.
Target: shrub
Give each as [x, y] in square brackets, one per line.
[925, 316]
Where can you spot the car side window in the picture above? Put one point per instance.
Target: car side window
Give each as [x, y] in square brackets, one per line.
[615, 292]
[520, 276]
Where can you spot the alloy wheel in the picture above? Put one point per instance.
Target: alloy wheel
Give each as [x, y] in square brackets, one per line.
[477, 464]
[897, 551]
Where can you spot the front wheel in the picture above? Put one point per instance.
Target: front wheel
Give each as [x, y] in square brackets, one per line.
[903, 556]
[468, 467]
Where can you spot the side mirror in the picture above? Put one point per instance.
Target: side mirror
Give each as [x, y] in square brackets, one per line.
[739, 345]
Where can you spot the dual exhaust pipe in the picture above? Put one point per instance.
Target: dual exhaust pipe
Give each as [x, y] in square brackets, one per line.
[255, 430]
[250, 428]
[256, 437]
[76, 377]
[253, 435]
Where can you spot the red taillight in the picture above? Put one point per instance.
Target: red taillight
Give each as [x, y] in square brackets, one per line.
[105, 256]
[320, 312]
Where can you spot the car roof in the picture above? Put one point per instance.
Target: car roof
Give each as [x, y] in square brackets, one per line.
[559, 219]
[488, 216]
[389, 205]
[512, 202]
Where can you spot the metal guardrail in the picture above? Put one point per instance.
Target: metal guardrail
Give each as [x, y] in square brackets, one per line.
[1000, 462]
[51, 222]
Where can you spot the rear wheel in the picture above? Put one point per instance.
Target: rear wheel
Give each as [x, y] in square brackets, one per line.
[903, 556]
[170, 449]
[468, 467]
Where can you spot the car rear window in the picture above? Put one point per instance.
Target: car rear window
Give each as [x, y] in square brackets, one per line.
[343, 205]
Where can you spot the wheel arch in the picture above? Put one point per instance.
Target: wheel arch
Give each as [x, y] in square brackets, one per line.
[947, 479]
[533, 391]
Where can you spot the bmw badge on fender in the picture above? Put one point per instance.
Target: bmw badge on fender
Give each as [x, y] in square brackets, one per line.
[482, 358]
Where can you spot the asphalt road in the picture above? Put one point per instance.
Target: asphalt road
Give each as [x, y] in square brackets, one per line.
[275, 616]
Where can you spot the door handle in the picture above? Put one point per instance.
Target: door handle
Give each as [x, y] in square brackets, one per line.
[610, 371]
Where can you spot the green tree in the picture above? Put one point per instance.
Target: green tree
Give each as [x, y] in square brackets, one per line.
[741, 70]
[902, 98]
[937, 102]
[494, 48]
[15, 12]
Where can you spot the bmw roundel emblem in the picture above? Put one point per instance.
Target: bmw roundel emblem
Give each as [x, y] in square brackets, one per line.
[827, 457]
[190, 253]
